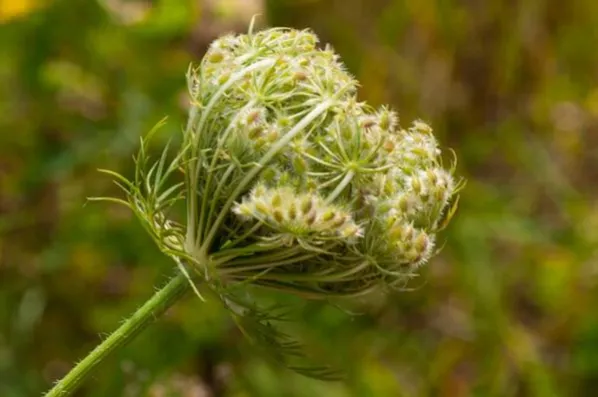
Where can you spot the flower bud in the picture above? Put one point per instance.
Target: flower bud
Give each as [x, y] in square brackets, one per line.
[278, 136]
[290, 181]
[292, 211]
[327, 216]
[215, 56]
[276, 200]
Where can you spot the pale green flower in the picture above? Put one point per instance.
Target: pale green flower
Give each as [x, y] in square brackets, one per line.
[290, 182]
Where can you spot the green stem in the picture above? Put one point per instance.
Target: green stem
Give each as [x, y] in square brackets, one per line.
[162, 300]
[341, 186]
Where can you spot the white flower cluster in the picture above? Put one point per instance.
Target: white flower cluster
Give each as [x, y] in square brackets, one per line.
[410, 244]
[299, 215]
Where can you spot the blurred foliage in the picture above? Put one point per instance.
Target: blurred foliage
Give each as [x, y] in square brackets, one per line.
[507, 308]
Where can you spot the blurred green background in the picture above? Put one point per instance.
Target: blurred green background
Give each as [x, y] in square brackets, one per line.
[509, 308]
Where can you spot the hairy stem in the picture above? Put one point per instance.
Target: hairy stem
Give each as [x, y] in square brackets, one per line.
[162, 300]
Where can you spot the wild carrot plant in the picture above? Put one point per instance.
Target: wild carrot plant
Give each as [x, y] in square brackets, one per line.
[286, 181]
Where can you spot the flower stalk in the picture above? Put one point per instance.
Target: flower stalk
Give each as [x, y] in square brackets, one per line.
[151, 310]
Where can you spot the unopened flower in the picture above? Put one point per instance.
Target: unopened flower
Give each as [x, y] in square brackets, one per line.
[297, 215]
[282, 161]
[290, 182]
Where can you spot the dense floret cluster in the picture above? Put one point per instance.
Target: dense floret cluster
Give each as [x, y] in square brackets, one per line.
[294, 183]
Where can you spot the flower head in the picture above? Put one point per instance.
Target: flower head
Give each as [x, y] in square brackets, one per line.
[290, 182]
[293, 183]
